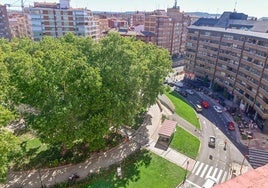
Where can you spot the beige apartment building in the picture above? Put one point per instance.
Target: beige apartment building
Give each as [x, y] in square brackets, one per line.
[235, 60]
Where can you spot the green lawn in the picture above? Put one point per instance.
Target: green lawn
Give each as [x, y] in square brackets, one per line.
[183, 109]
[185, 143]
[144, 169]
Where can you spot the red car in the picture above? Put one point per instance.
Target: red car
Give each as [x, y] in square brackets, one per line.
[231, 126]
[204, 104]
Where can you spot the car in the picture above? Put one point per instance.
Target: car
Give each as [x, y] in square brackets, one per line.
[217, 108]
[198, 108]
[231, 126]
[177, 89]
[204, 104]
[212, 142]
[189, 91]
[210, 182]
[178, 84]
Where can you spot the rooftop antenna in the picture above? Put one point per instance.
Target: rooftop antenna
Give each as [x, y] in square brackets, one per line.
[235, 6]
[175, 5]
[22, 4]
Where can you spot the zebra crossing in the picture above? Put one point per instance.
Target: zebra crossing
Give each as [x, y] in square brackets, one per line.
[257, 157]
[204, 171]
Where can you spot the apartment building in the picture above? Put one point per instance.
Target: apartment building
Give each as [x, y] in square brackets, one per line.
[236, 61]
[4, 23]
[137, 19]
[170, 29]
[57, 19]
[117, 23]
[19, 24]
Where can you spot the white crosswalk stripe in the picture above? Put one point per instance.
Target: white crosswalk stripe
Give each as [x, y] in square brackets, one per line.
[257, 157]
[215, 172]
[195, 166]
[219, 175]
[205, 170]
[199, 169]
[209, 171]
[224, 177]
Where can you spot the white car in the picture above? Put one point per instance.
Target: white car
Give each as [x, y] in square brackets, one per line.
[189, 91]
[217, 108]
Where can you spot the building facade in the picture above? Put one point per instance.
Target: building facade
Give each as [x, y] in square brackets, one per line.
[236, 61]
[19, 24]
[5, 31]
[57, 19]
[170, 29]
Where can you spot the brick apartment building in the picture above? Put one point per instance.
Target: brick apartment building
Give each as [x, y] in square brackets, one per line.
[56, 19]
[19, 24]
[231, 52]
[170, 29]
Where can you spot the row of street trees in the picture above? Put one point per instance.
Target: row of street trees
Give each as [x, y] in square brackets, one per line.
[78, 88]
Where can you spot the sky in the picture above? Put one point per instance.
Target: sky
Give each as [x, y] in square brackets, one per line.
[256, 8]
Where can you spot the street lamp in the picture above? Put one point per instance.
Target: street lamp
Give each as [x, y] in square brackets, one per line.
[244, 157]
[186, 170]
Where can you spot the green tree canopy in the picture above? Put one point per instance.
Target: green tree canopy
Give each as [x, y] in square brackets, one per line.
[79, 88]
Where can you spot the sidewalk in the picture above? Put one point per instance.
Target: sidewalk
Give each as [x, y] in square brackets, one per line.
[146, 137]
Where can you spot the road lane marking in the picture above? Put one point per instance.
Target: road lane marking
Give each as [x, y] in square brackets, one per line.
[224, 177]
[199, 169]
[204, 171]
[195, 166]
[219, 175]
[209, 171]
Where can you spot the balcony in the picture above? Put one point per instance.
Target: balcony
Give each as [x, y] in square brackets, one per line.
[254, 46]
[247, 100]
[238, 42]
[261, 112]
[264, 82]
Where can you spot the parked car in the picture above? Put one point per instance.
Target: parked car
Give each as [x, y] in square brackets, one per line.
[177, 89]
[189, 91]
[212, 141]
[198, 108]
[231, 126]
[204, 104]
[217, 108]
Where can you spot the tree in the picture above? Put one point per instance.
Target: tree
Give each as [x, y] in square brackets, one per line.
[80, 89]
[7, 140]
[8, 143]
[133, 73]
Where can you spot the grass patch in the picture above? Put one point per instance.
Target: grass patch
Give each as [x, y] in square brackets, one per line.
[142, 169]
[185, 143]
[183, 109]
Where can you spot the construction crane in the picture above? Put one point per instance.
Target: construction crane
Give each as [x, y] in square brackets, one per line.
[13, 4]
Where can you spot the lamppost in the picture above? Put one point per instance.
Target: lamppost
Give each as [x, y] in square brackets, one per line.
[40, 177]
[186, 170]
[225, 144]
[244, 157]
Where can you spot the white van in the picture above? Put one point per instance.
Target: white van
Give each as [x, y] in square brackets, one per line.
[210, 182]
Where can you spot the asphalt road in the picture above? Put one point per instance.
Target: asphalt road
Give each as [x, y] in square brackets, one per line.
[214, 162]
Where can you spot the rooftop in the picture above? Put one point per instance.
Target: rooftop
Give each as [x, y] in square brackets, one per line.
[233, 31]
[254, 178]
[168, 127]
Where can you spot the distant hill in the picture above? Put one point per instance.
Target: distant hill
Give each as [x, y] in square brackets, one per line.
[203, 14]
[197, 14]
